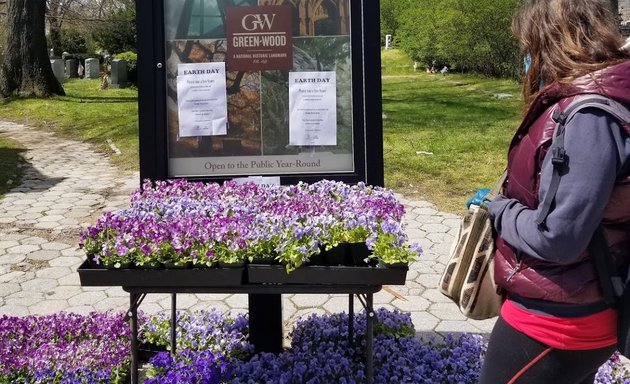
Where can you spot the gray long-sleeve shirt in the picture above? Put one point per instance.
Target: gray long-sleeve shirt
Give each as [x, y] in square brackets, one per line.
[596, 147]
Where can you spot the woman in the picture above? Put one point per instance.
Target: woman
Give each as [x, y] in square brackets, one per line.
[554, 326]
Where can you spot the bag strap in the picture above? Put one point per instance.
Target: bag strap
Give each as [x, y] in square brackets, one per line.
[611, 282]
[495, 190]
[497, 186]
[558, 153]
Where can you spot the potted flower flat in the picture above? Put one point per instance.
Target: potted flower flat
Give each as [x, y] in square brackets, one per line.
[231, 261]
[391, 250]
[116, 261]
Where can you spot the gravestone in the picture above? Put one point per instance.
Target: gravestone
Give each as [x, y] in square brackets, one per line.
[119, 73]
[72, 67]
[92, 68]
[58, 68]
[388, 41]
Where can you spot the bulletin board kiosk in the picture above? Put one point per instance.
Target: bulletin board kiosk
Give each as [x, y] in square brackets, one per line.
[274, 91]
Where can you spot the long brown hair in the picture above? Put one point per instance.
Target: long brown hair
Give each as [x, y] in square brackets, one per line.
[566, 39]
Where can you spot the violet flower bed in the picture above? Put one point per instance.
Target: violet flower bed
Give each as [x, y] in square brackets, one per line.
[321, 353]
[203, 330]
[64, 348]
[74, 349]
[182, 223]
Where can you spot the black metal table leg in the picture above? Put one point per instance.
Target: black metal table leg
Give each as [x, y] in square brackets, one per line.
[265, 314]
[368, 305]
[133, 324]
[173, 323]
[265, 322]
[350, 319]
[369, 336]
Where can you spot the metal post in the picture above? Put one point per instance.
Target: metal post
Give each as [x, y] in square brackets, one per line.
[350, 319]
[133, 324]
[173, 323]
[265, 322]
[369, 336]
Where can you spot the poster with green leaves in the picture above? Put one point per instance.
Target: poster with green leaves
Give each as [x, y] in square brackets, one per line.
[288, 80]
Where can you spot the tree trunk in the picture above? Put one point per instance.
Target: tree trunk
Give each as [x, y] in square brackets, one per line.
[54, 27]
[26, 67]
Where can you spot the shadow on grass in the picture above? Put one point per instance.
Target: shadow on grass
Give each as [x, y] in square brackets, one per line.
[98, 100]
[77, 99]
[440, 107]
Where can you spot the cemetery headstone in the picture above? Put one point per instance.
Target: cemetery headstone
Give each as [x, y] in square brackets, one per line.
[388, 41]
[119, 73]
[58, 69]
[92, 68]
[72, 67]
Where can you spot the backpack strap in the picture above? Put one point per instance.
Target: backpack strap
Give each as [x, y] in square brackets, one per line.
[611, 282]
[558, 159]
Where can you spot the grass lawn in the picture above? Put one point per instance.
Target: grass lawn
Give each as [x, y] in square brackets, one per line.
[444, 136]
[9, 164]
[86, 113]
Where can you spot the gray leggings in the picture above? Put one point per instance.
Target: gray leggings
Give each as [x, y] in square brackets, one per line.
[513, 357]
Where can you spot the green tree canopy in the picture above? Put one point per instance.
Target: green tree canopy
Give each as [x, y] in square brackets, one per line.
[391, 10]
[118, 32]
[466, 35]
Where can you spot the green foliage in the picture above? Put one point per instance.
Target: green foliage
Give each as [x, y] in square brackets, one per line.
[73, 41]
[132, 65]
[117, 33]
[388, 250]
[418, 31]
[466, 35]
[167, 254]
[130, 57]
[390, 12]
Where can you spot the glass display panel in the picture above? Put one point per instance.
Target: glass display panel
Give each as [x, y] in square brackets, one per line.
[258, 87]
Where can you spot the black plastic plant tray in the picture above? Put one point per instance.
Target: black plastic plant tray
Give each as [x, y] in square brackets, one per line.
[192, 277]
[327, 275]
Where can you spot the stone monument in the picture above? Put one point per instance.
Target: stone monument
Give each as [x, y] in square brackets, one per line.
[92, 68]
[58, 69]
[72, 67]
[119, 73]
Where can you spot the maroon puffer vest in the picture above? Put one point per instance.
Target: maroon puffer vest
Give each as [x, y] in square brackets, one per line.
[529, 277]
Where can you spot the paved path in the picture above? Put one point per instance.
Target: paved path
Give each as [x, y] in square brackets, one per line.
[67, 185]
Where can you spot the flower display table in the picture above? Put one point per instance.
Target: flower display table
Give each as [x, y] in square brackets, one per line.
[241, 276]
[327, 275]
[264, 286]
[325, 237]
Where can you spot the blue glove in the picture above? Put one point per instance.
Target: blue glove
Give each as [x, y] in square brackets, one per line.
[478, 197]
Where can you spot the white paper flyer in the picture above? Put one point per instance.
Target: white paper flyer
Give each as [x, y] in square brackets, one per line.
[202, 99]
[312, 108]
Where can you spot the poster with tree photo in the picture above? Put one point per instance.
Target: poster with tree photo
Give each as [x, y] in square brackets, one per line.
[258, 135]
